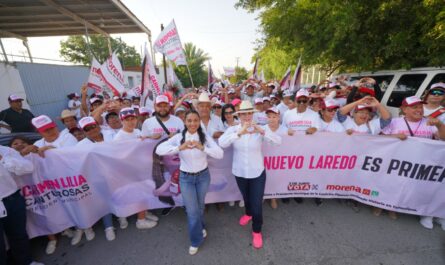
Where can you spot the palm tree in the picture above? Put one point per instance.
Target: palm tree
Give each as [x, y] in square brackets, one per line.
[196, 59]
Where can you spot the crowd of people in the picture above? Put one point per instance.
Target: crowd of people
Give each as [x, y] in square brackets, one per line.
[199, 124]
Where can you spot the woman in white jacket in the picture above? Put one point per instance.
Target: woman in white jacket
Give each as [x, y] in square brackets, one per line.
[193, 146]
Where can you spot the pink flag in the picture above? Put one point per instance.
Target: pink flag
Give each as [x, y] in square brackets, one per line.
[169, 43]
[112, 74]
[284, 83]
[95, 80]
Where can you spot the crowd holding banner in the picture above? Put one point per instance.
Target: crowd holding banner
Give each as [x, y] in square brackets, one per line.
[253, 140]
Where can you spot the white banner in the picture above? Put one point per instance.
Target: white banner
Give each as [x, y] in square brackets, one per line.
[169, 43]
[77, 186]
[112, 74]
[149, 78]
[94, 79]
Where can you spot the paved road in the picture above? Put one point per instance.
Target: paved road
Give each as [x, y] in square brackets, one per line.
[293, 234]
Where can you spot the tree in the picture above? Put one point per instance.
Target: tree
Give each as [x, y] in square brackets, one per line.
[75, 49]
[241, 74]
[353, 35]
[196, 59]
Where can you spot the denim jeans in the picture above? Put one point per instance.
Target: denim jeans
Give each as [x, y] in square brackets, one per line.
[107, 220]
[193, 190]
[14, 226]
[253, 191]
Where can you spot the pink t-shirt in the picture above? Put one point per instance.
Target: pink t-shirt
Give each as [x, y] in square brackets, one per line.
[419, 129]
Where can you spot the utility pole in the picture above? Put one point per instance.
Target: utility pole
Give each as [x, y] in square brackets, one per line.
[237, 61]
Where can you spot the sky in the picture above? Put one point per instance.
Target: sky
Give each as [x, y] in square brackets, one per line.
[217, 27]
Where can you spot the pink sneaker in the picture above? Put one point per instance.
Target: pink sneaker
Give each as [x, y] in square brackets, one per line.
[257, 240]
[244, 220]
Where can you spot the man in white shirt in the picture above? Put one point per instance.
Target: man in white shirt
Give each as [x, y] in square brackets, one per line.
[151, 128]
[302, 118]
[260, 116]
[12, 207]
[69, 120]
[283, 106]
[211, 124]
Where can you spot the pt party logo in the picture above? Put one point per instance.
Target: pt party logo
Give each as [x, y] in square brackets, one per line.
[47, 193]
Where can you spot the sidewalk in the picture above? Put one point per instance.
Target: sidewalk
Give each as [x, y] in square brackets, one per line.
[293, 234]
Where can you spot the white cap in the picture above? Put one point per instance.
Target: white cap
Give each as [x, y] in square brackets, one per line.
[287, 93]
[204, 98]
[162, 99]
[258, 101]
[85, 121]
[266, 99]
[302, 93]
[92, 100]
[231, 91]
[13, 97]
[144, 110]
[331, 104]
[273, 109]
[438, 85]
[42, 123]
[410, 101]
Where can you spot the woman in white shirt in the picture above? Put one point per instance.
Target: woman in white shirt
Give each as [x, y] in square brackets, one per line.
[248, 167]
[193, 146]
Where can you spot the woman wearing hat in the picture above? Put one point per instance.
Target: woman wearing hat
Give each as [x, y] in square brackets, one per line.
[435, 98]
[328, 122]
[74, 104]
[193, 147]
[248, 167]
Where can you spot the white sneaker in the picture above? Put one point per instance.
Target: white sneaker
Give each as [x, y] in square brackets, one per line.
[241, 203]
[77, 237]
[204, 233]
[231, 204]
[68, 233]
[109, 233]
[36, 263]
[89, 234]
[145, 224]
[193, 250]
[51, 247]
[123, 223]
[150, 216]
[427, 222]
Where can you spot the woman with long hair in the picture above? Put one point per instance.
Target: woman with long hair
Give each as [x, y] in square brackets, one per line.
[193, 146]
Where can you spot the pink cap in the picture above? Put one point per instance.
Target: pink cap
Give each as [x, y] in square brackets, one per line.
[236, 101]
[331, 104]
[85, 121]
[438, 85]
[362, 107]
[411, 101]
[266, 99]
[127, 112]
[42, 123]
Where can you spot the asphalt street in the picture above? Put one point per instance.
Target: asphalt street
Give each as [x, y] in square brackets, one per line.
[293, 234]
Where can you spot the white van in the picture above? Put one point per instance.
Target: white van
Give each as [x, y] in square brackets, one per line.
[398, 84]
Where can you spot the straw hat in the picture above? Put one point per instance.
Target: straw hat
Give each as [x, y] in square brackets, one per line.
[246, 107]
[67, 113]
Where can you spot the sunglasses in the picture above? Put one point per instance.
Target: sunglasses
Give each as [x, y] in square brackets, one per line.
[437, 93]
[127, 112]
[332, 110]
[216, 107]
[89, 128]
[301, 101]
[230, 112]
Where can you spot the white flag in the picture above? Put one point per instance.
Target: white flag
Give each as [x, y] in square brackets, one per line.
[229, 71]
[95, 80]
[149, 79]
[112, 74]
[169, 43]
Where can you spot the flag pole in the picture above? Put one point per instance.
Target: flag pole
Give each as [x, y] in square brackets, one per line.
[163, 60]
[190, 75]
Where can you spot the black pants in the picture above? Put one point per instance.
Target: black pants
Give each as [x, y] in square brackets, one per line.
[253, 191]
[14, 226]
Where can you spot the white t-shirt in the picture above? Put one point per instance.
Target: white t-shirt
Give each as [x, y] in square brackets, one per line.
[107, 135]
[282, 108]
[74, 103]
[372, 127]
[333, 126]
[151, 126]
[301, 121]
[282, 130]
[64, 140]
[215, 125]
[110, 131]
[123, 135]
[260, 118]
